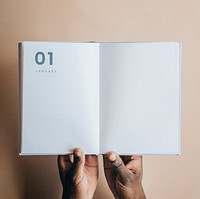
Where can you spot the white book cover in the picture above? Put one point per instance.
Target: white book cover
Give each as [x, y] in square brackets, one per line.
[100, 96]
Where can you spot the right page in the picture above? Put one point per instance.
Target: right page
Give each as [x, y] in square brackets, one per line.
[140, 98]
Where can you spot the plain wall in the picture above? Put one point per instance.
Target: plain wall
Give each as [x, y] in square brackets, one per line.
[108, 20]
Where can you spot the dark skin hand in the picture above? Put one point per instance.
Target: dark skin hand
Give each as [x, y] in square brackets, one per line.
[124, 176]
[78, 174]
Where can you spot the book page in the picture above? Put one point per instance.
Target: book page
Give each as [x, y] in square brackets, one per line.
[60, 97]
[140, 98]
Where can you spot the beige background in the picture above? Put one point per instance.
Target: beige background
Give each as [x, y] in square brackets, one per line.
[113, 20]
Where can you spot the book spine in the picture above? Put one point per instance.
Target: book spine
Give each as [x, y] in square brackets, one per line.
[180, 93]
[20, 94]
[100, 136]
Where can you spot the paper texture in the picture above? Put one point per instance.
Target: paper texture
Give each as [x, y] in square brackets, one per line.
[60, 108]
[140, 105]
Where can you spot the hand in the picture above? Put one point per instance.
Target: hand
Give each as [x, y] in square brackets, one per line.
[124, 176]
[78, 174]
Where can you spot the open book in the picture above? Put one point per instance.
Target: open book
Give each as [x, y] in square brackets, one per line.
[105, 96]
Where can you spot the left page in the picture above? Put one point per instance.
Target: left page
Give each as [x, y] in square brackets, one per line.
[59, 97]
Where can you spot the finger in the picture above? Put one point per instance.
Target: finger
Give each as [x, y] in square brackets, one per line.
[123, 173]
[135, 165]
[64, 165]
[110, 173]
[125, 158]
[63, 161]
[79, 159]
[116, 161]
[91, 160]
[106, 162]
[71, 158]
[131, 166]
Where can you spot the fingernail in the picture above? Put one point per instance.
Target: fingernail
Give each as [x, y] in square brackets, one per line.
[112, 157]
[132, 157]
[77, 153]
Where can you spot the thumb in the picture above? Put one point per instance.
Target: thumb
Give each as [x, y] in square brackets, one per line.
[117, 163]
[79, 162]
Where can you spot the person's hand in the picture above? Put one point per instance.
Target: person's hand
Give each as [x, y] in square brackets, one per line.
[124, 176]
[78, 174]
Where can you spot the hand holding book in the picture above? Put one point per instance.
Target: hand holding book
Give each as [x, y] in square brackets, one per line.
[124, 175]
[79, 175]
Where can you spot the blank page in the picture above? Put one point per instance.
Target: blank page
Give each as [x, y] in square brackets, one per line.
[60, 97]
[140, 91]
